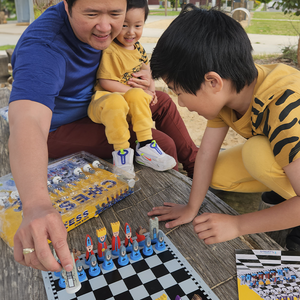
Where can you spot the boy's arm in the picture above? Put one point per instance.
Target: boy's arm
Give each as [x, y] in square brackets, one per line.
[113, 86]
[215, 228]
[203, 170]
[29, 123]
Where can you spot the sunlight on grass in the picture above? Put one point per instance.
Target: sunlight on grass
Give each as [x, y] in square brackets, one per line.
[162, 13]
[274, 16]
[264, 56]
[273, 27]
[5, 47]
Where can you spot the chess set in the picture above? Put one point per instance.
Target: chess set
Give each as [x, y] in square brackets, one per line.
[80, 186]
[152, 269]
[268, 274]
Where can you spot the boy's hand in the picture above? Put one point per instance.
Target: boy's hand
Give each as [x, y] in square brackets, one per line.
[181, 214]
[216, 228]
[154, 100]
[154, 97]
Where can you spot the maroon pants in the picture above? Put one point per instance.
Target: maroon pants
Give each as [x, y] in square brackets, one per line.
[170, 134]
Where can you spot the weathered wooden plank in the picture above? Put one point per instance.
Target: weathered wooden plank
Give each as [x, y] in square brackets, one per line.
[214, 263]
[4, 135]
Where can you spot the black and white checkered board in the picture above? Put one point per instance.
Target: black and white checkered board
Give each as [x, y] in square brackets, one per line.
[257, 259]
[249, 262]
[148, 278]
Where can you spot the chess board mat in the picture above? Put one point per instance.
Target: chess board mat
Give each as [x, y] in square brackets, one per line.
[150, 277]
[254, 261]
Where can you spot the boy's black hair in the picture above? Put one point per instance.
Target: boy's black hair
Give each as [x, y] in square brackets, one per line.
[199, 41]
[138, 4]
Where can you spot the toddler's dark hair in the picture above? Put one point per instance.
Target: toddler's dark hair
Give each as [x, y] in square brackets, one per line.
[138, 4]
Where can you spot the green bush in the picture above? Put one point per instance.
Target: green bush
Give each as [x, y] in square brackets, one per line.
[290, 53]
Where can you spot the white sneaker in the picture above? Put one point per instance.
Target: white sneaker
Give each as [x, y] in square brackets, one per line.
[152, 156]
[123, 159]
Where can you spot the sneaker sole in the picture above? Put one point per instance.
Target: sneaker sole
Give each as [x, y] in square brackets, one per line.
[156, 168]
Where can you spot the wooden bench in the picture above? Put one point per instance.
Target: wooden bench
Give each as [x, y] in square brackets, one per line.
[214, 263]
[4, 134]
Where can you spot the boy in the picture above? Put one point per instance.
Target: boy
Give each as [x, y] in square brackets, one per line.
[205, 58]
[115, 102]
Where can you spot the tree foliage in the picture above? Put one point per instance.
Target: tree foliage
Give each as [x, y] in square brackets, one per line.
[288, 6]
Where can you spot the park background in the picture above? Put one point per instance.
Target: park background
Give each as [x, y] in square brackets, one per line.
[262, 18]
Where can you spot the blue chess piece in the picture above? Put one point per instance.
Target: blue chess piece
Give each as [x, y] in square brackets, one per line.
[160, 243]
[80, 270]
[61, 281]
[94, 269]
[135, 254]
[108, 263]
[123, 258]
[148, 250]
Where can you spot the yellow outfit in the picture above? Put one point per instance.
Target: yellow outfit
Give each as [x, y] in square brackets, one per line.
[115, 110]
[271, 125]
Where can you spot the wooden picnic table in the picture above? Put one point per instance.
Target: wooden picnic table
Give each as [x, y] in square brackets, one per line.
[214, 263]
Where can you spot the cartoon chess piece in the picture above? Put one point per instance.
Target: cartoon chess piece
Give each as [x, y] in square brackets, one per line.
[148, 250]
[153, 225]
[165, 297]
[102, 246]
[115, 241]
[97, 164]
[140, 237]
[108, 262]
[61, 281]
[88, 169]
[123, 258]
[94, 269]
[135, 253]
[160, 243]
[80, 270]
[196, 297]
[58, 181]
[128, 237]
[78, 172]
[89, 249]
[70, 279]
[176, 298]
[51, 189]
[57, 274]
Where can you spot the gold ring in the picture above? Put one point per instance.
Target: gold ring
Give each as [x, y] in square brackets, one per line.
[28, 250]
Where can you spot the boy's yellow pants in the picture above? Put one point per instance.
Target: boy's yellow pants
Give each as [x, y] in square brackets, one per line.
[115, 110]
[251, 168]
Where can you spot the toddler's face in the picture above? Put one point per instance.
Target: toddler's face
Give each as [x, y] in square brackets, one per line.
[132, 28]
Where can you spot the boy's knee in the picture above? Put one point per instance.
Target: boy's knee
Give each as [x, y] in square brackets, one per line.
[114, 101]
[258, 157]
[136, 94]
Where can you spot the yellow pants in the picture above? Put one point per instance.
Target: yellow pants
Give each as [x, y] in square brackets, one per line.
[251, 168]
[115, 110]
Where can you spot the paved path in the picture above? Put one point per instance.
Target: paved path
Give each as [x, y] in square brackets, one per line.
[262, 44]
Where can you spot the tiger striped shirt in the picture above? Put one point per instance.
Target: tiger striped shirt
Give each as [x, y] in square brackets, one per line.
[274, 112]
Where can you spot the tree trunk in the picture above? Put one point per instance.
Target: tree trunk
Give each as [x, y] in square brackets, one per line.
[166, 7]
[298, 52]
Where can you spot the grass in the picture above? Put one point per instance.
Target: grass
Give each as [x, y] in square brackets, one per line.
[273, 27]
[274, 16]
[267, 23]
[264, 56]
[5, 47]
[161, 12]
